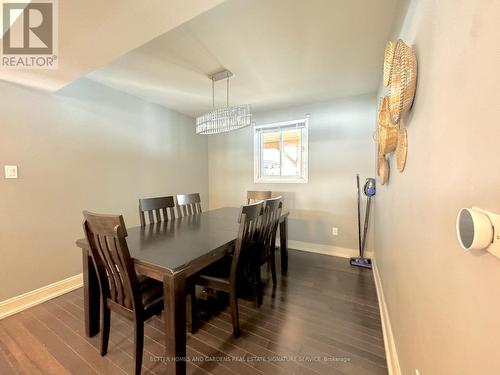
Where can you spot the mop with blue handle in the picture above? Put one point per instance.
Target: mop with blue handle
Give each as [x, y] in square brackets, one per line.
[369, 190]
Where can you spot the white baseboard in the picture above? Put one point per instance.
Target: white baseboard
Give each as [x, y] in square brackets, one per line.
[27, 300]
[337, 251]
[389, 343]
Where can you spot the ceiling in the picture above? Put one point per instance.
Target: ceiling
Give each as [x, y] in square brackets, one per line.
[282, 52]
[93, 33]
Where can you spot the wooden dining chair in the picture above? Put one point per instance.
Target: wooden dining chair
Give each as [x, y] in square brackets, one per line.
[224, 275]
[267, 235]
[188, 204]
[155, 207]
[255, 196]
[135, 297]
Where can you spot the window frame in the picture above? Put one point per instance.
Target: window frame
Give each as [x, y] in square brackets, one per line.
[304, 157]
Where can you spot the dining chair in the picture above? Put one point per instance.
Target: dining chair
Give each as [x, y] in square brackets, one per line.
[255, 196]
[224, 275]
[154, 207]
[267, 236]
[188, 204]
[133, 296]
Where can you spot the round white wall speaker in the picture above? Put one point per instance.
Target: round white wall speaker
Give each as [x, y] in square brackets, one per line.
[474, 229]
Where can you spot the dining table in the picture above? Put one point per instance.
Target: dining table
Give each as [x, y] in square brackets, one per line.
[172, 252]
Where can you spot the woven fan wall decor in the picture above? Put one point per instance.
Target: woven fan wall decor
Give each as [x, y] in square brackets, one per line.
[388, 57]
[387, 133]
[400, 76]
[403, 80]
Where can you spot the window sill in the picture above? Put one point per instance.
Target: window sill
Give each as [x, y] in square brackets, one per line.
[280, 181]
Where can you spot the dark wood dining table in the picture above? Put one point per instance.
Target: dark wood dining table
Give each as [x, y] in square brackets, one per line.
[171, 252]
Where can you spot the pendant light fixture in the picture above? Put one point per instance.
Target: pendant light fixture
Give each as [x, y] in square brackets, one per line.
[220, 120]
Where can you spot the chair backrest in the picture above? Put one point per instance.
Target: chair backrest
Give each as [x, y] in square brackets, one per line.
[255, 196]
[250, 221]
[269, 227]
[106, 235]
[188, 204]
[154, 207]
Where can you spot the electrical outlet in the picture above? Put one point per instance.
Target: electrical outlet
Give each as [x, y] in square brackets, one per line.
[10, 171]
[335, 231]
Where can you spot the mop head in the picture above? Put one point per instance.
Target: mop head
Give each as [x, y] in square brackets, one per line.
[361, 262]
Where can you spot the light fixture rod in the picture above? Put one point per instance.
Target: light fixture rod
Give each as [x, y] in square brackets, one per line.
[213, 93]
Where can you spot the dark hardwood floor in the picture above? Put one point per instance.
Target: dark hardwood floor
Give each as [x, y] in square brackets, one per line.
[323, 318]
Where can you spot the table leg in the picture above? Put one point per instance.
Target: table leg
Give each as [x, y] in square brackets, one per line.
[174, 292]
[91, 295]
[284, 244]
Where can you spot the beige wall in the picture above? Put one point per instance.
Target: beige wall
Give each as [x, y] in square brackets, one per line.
[88, 147]
[340, 144]
[444, 302]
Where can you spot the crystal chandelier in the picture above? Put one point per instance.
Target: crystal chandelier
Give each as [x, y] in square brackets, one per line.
[220, 120]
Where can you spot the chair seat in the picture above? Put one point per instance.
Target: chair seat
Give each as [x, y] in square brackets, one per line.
[216, 275]
[151, 292]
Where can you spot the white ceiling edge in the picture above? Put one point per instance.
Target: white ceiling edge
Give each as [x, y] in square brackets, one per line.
[282, 52]
[93, 33]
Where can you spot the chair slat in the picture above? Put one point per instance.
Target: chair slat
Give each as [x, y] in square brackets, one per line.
[119, 270]
[106, 261]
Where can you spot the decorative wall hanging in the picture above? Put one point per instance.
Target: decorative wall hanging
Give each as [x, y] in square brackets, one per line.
[401, 149]
[388, 57]
[387, 134]
[403, 80]
[400, 76]
[383, 169]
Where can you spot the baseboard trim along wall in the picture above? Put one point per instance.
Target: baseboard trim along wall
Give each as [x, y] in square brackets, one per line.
[317, 248]
[389, 343]
[35, 297]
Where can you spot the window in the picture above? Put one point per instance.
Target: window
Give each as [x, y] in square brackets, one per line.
[280, 152]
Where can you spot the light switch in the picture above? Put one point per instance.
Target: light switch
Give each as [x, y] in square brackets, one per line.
[11, 171]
